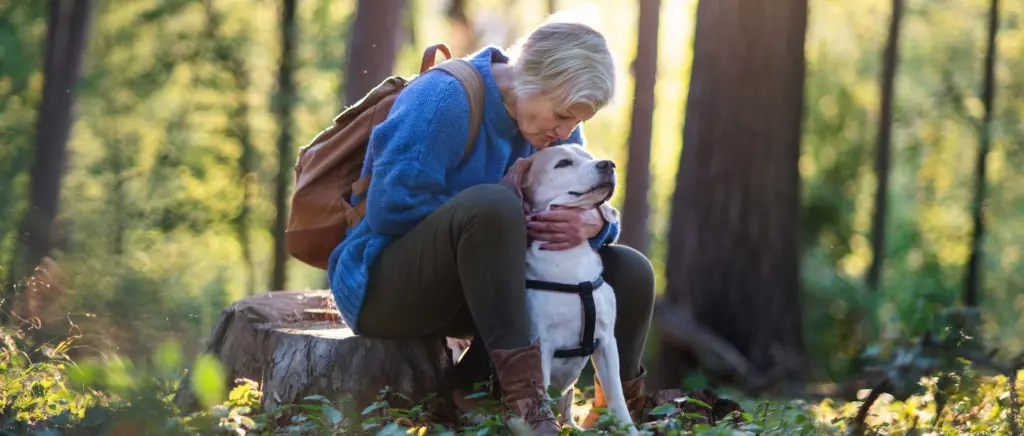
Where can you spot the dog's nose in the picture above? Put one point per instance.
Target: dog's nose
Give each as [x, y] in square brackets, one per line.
[606, 165]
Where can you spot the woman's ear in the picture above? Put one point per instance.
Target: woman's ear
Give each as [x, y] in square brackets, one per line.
[515, 176]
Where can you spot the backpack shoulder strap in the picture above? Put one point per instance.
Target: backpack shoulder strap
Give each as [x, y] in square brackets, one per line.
[473, 84]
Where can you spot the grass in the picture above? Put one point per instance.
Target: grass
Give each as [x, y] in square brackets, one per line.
[44, 392]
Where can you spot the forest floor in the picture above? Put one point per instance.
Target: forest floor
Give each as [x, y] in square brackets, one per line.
[44, 392]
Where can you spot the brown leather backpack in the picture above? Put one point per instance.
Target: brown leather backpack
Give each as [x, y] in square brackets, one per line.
[327, 171]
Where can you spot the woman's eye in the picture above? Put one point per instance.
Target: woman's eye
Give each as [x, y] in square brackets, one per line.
[563, 163]
[562, 117]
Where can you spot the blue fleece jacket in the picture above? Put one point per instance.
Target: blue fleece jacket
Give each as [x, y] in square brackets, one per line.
[416, 159]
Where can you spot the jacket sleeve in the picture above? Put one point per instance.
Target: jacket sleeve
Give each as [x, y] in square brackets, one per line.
[413, 150]
[610, 232]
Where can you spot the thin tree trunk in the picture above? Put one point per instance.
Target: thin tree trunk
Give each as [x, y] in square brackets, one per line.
[890, 59]
[285, 158]
[117, 164]
[372, 47]
[552, 6]
[972, 281]
[66, 39]
[733, 260]
[240, 129]
[464, 37]
[636, 208]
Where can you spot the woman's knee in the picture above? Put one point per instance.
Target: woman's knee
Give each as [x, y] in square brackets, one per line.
[631, 275]
[493, 207]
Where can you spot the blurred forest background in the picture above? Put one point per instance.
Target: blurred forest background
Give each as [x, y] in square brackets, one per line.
[156, 140]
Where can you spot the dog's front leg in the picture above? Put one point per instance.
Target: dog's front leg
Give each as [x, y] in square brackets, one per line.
[547, 355]
[606, 364]
[565, 407]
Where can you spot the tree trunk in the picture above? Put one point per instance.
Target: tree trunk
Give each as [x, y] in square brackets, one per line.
[733, 259]
[552, 6]
[285, 158]
[636, 208]
[372, 47]
[889, 61]
[972, 280]
[464, 38]
[66, 40]
[293, 344]
[116, 152]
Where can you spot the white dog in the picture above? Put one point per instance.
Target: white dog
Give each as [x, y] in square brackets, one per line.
[565, 287]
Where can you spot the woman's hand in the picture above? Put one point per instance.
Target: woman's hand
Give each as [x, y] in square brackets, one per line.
[564, 227]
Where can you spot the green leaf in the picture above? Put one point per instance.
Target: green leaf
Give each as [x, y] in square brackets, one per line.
[86, 374]
[698, 402]
[208, 380]
[168, 358]
[667, 409]
[332, 415]
[377, 405]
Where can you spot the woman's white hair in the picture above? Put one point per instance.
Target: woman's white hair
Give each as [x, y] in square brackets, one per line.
[567, 61]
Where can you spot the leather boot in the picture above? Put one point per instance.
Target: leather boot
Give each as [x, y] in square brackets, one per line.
[633, 390]
[520, 379]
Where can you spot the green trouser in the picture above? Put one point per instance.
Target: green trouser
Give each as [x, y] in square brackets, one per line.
[461, 272]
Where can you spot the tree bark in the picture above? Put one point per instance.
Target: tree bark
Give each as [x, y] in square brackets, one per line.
[66, 39]
[285, 157]
[972, 280]
[890, 59]
[372, 47]
[636, 207]
[733, 259]
[293, 344]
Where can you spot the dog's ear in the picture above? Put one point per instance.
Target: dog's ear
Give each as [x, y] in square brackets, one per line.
[609, 213]
[515, 175]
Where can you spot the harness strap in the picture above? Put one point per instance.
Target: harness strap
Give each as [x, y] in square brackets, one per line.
[586, 292]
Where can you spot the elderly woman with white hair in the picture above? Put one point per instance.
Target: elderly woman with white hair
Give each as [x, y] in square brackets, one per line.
[442, 246]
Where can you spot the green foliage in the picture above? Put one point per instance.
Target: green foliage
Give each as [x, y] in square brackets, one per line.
[933, 388]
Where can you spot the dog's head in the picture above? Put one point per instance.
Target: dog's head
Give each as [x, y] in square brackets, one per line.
[564, 175]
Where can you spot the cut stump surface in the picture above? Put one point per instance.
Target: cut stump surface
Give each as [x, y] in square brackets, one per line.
[294, 345]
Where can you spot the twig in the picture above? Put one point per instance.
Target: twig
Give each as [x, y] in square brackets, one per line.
[859, 425]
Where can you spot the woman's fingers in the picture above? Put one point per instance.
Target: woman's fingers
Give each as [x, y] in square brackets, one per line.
[554, 246]
[548, 236]
[548, 226]
[557, 215]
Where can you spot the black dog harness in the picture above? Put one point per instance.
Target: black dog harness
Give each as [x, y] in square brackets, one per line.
[586, 292]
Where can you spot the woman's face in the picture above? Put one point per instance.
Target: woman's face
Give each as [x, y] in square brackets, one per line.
[541, 123]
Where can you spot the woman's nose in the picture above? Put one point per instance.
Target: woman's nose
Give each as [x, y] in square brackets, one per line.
[563, 130]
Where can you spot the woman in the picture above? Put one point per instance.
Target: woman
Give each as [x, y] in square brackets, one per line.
[442, 246]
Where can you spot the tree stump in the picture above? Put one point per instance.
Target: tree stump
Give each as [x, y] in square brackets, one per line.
[294, 344]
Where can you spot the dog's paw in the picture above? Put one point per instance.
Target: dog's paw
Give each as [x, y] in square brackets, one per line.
[571, 423]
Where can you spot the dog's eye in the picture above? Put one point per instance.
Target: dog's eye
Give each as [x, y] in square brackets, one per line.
[564, 163]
